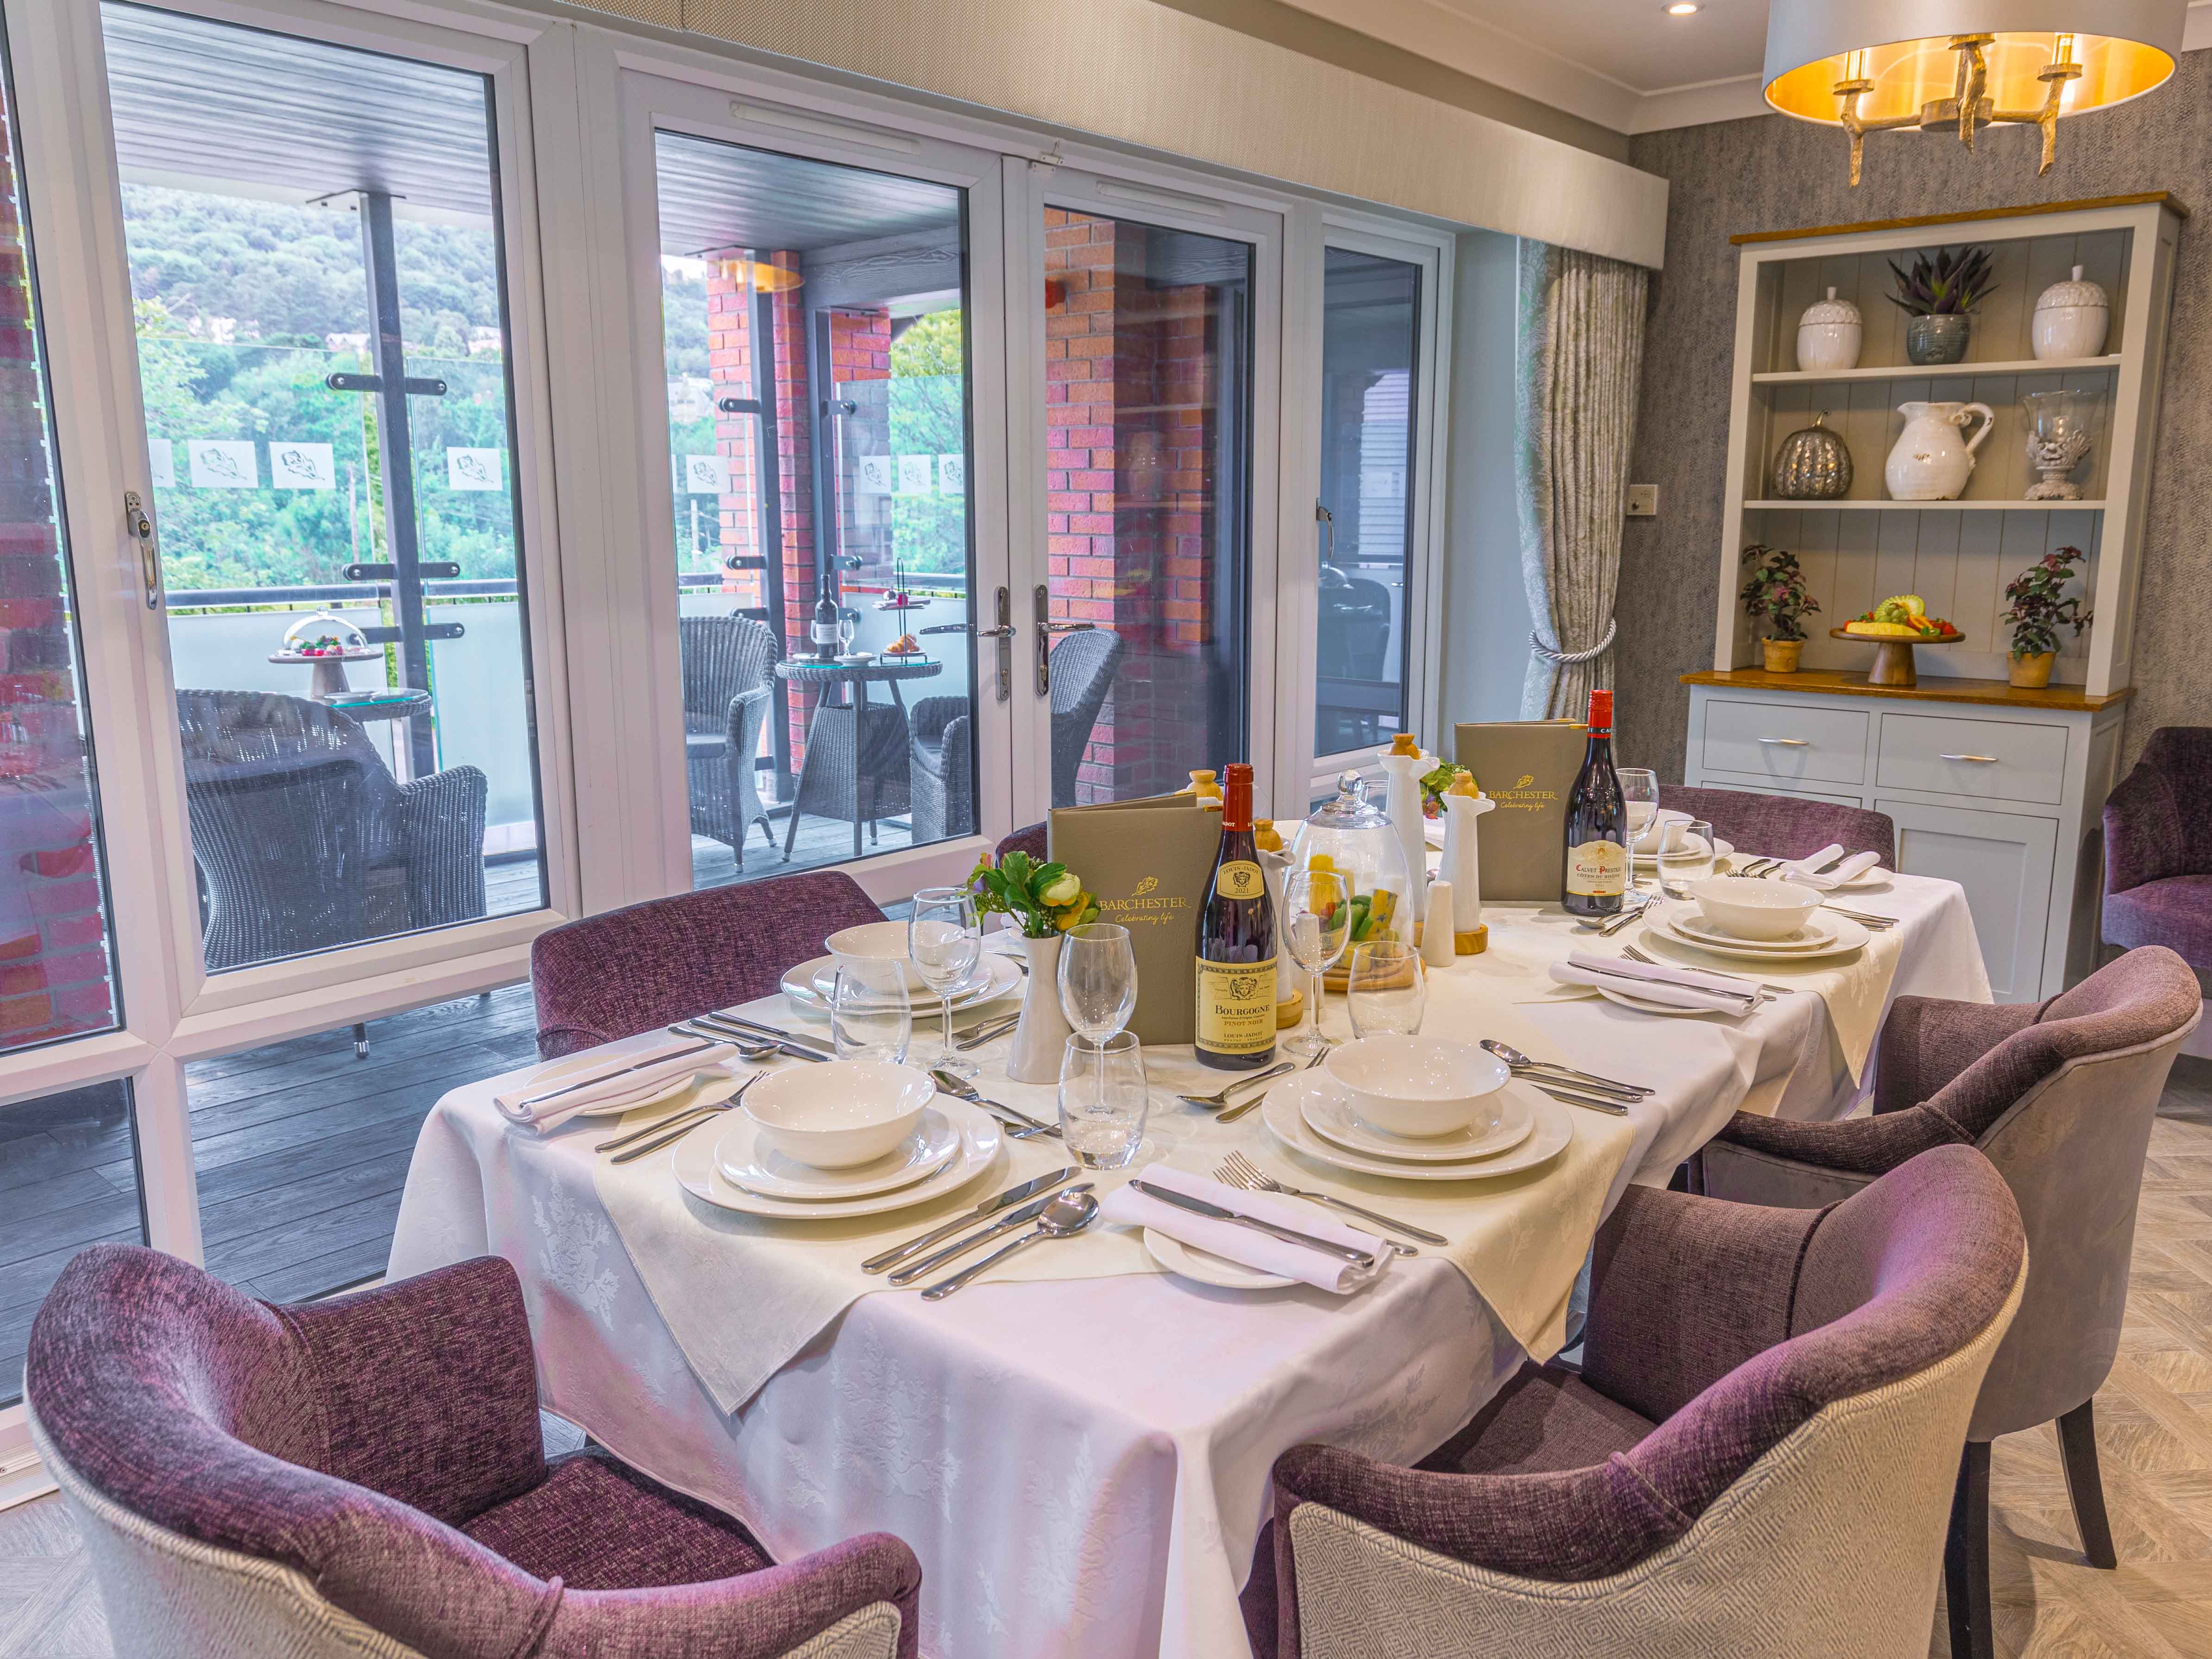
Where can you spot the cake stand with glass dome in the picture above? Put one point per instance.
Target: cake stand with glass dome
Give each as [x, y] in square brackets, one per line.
[326, 642]
[1363, 848]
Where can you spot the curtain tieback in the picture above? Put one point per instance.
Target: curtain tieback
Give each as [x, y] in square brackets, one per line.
[1536, 644]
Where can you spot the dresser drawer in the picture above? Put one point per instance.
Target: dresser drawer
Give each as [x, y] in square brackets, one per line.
[2006, 760]
[1789, 742]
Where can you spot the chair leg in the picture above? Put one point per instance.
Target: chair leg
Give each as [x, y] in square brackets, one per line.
[2077, 1444]
[1967, 1558]
[361, 1042]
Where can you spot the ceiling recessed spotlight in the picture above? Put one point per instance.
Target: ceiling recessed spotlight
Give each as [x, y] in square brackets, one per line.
[1682, 7]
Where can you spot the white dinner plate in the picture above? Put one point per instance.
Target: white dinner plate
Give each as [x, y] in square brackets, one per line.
[1844, 934]
[1816, 936]
[995, 976]
[749, 1162]
[1188, 1261]
[1282, 1112]
[709, 1085]
[975, 979]
[1722, 849]
[1328, 1112]
[697, 1171]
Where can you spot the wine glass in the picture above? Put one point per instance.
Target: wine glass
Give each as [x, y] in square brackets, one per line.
[1316, 924]
[1104, 1098]
[1387, 991]
[870, 1017]
[1097, 979]
[944, 940]
[1639, 798]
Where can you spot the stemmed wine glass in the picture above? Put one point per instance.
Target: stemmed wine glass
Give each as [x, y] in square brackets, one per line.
[1316, 924]
[1098, 980]
[945, 940]
[1640, 797]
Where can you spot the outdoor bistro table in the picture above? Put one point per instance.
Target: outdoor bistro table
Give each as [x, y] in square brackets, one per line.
[863, 743]
[1081, 1463]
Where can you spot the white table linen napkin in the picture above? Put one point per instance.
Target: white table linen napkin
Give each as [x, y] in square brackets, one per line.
[1125, 1206]
[658, 1067]
[1681, 987]
[1826, 881]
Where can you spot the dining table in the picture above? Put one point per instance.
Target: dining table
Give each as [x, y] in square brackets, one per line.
[1078, 1447]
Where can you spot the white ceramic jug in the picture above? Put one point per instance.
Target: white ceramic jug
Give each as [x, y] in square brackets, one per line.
[1933, 457]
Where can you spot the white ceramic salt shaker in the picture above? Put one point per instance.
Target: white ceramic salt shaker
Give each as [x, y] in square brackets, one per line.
[1436, 947]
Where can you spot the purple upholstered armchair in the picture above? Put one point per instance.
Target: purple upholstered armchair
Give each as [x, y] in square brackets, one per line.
[625, 971]
[1030, 838]
[2060, 1096]
[2158, 847]
[1784, 826]
[364, 1476]
[1755, 1459]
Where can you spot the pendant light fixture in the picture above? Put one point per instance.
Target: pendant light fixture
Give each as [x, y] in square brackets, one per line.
[1958, 65]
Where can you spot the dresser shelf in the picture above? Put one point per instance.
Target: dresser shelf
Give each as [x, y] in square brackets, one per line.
[1847, 506]
[1933, 371]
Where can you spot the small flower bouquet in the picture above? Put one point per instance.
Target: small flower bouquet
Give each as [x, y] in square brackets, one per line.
[1045, 900]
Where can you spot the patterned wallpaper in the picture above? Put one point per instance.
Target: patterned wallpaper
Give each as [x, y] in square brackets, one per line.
[1770, 173]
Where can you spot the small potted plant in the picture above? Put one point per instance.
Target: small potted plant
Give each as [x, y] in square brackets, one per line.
[1776, 592]
[1939, 295]
[2037, 611]
[1045, 901]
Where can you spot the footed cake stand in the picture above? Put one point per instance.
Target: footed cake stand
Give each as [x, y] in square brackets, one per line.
[1893, 657]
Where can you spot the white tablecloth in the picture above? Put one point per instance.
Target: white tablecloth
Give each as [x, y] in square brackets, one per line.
[1082, 1465]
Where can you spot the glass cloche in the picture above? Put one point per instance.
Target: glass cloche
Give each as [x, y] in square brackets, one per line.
[1357, 838]
[323, 635]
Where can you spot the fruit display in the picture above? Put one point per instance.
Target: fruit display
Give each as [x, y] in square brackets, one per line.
[1904, 618]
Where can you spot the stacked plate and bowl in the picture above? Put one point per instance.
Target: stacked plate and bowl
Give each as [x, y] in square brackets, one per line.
[1754, 920]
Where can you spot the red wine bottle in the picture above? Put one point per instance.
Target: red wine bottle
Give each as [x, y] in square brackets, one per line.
[1594, 874]
[826, 618]
[1236, 943]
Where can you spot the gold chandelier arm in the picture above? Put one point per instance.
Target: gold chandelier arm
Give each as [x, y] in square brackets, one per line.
[1972, 83]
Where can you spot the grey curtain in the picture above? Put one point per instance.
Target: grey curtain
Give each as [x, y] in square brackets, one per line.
[1581, 354]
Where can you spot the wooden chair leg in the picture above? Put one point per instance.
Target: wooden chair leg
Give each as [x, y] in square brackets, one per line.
[2077, 1444]
[1967, 1558]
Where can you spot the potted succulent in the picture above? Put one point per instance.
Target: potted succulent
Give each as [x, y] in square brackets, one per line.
[1939, 295]
[2037, 611]
[1775, 593]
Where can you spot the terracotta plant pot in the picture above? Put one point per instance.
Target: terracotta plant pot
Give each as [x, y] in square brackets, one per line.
[2030, 673]
[1781, 656]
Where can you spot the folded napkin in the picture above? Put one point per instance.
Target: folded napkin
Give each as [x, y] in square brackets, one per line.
[1827, 881]
[1678, 987]
[1655, 833]
[1125, 1206]
[658, 1067]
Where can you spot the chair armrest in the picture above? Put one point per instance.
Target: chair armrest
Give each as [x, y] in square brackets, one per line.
[1746, 1175]
[1684, 1289]
[741, 708]
[1855, 1147]
[1926, 1041]
[930, 716]
[441, 824]
[427, 1388]
[2145, 839]
[761, 1615]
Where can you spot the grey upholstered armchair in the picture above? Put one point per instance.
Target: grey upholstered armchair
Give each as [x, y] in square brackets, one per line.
[728, 679]
[1784, 826]
[2060, 1096]
[942, 765]
[366, 1476]
[304, 839]
[1755, 1458]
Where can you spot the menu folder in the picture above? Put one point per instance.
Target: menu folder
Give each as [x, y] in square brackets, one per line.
[1147, 861]
[1527, 767]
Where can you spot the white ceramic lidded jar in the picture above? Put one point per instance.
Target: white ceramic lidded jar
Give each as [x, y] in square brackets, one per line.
[1829, 334]
[2071, 320]
[1933, 457]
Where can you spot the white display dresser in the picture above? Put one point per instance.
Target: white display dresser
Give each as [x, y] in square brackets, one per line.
[1995, 789]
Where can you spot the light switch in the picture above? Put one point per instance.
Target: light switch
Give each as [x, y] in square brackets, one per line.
[1644, 500]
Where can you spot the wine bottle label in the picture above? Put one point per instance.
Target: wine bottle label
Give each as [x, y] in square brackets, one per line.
[1240, 878]
[1237, 1005]
[1597, 869]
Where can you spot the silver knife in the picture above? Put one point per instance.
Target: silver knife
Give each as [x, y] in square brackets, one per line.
[1590, 1100]
[773, 1033]
[796, 1048]
[1288, 1235]
[598, 1077]
[960, 1246]
[989, 1206]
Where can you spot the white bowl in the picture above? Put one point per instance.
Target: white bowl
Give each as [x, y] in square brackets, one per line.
[841, 1113]
[875, 941]
[1417, 1085]
[1755, 909]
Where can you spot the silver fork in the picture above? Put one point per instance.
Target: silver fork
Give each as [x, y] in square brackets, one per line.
[1238, 1171]
[1772, 991]
[691, 1121]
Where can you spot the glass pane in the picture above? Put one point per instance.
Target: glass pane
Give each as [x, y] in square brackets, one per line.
[55, 978]
[1148, 385]
[815, 324]
[68, 1177]
[1371, 316]
[302, 1146]
[322, 355]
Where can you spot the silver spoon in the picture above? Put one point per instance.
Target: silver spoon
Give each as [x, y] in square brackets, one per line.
[1068, 1213]
[1518, 1061]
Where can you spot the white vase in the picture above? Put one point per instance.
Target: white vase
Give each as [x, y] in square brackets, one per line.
[1933, 458]
[1829, 336]
[1041, 1036]
[2071, 320]
[1403, 804]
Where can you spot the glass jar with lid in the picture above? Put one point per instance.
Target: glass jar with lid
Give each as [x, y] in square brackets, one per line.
[1353, 837]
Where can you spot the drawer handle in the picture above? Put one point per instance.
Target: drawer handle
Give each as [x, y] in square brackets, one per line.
[1789, 742]
[1979, 760]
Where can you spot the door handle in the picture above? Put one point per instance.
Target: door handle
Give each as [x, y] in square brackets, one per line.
[1981, 759]
[1004, 633]
[1046, 628]
[1789, 743]
[140, 525]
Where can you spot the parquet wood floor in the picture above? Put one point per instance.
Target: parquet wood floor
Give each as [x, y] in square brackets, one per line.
[2154, 1436]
